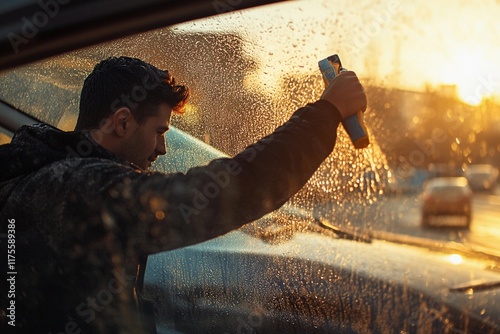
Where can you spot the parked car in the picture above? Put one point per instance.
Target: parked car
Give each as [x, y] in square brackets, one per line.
[342, 256]
[444, 170]
[482, 177]
[447, 196]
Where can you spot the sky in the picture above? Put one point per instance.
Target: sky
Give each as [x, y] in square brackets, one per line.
[411, 44]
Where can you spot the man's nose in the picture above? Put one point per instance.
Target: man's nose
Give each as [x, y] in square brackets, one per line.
[161, 145]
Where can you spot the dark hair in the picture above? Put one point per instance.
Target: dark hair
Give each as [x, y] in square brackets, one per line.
[127, 82]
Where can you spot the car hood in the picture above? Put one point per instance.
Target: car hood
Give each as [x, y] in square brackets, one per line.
[413, 283]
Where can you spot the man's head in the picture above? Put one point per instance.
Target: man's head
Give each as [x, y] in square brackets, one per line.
[126, 104]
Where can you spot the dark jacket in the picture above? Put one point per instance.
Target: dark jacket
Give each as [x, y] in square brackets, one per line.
[82, 217]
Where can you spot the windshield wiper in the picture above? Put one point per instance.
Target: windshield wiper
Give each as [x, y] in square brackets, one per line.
[343, 234]
[274, 227]
[475, 287]
[300, 213]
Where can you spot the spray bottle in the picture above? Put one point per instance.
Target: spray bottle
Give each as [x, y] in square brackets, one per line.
[330, 68]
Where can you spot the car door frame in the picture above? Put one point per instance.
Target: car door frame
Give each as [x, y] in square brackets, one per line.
[31, 30]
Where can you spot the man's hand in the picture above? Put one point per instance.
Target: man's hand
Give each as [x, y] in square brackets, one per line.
[346, 93]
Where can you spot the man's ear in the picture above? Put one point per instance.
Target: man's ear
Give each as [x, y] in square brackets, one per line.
[121, 120]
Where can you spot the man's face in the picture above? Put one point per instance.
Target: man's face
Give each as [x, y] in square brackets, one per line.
[147, 140]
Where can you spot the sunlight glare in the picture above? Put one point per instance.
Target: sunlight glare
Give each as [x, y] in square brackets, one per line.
[466, 69]
[455, 259]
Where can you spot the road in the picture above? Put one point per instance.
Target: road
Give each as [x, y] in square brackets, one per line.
[403, 217]
[398, 218]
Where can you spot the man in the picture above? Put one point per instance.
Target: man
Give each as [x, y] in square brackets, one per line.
[86, 208]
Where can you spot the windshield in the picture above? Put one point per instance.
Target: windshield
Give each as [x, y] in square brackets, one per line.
[429, 69]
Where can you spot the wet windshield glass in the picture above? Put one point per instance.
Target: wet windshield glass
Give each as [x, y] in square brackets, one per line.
[429, 69]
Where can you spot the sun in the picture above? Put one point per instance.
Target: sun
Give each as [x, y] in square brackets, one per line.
[470, 71]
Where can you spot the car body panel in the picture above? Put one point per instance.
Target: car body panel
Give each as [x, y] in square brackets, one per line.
[267, 286]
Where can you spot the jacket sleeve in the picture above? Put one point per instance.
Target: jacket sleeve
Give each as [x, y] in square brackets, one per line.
[157, 212]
